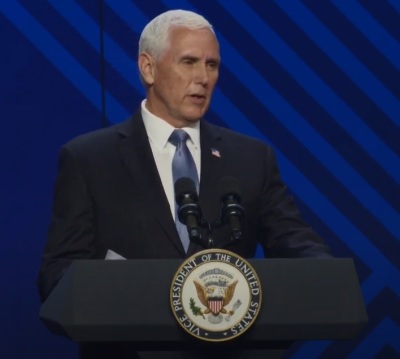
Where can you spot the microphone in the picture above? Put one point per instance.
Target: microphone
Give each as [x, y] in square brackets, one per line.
[232, 212]
[189, 212]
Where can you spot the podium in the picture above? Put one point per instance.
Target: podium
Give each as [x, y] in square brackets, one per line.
[128, 301]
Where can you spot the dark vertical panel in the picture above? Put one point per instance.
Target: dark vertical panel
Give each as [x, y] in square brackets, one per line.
[102, 62]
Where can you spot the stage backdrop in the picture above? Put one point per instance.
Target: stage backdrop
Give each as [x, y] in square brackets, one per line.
[319, 80]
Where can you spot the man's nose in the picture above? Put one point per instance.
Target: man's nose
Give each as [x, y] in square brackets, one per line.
[202, 74]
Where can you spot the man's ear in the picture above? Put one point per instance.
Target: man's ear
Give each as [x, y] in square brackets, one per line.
[146, 67]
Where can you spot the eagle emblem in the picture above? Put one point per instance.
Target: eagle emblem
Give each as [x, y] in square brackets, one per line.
[215, 294]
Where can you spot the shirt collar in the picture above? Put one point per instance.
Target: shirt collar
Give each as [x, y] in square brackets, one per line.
[159, 130]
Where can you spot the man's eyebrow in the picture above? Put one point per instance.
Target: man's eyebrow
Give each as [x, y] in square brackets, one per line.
[197, 58]
[190, 57]
[216, 60]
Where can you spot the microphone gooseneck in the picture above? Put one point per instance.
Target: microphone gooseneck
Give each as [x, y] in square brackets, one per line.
[232, 212]
[189, 212]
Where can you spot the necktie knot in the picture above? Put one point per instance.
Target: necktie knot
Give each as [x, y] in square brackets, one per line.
[178, 137]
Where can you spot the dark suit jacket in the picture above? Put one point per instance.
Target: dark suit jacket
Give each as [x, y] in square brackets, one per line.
[109, 195]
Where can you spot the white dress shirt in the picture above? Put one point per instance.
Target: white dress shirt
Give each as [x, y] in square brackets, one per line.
[158, 133]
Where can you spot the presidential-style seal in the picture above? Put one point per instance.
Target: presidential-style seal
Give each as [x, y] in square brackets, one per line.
[215, 295]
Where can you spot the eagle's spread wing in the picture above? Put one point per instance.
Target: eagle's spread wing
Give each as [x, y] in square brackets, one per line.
[230, 291]
[201, 293]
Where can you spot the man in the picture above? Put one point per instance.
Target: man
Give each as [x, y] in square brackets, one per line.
[115, 187]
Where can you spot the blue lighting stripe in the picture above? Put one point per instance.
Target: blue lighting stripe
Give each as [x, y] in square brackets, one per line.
[115, 111]
[387, 332]
[222, 109]
[331, 121]
[61, 59]
[372, 30]
[221, 103]
[89, 30]
[311, 350]
[310, 138]
[310, 195]
[371, 287]
[130, 13]
[395, 4]
[349, 64]
[384, 13]
[311, 82]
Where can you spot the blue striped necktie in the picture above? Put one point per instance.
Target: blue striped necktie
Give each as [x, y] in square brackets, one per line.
[183, 165]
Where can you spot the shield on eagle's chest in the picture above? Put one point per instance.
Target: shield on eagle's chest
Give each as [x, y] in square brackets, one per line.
[215, 304]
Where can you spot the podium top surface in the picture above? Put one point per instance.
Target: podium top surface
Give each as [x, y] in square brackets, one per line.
[128, 300]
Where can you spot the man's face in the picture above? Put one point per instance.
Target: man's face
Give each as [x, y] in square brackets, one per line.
[183, 77]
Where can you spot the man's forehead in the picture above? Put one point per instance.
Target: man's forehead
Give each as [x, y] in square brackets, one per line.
[181, 32]
[182, 40]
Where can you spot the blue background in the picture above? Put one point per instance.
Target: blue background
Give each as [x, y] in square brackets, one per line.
[318, 79]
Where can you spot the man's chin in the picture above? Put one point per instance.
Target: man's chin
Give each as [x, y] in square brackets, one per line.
[194, 116]
[190, 120]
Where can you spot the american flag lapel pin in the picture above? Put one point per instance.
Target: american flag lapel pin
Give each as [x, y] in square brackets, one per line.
[215, 152]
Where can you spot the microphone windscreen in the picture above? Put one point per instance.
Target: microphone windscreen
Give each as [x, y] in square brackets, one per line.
[229, 186]
[184, 186]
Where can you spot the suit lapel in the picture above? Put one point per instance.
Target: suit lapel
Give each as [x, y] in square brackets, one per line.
[137, 155]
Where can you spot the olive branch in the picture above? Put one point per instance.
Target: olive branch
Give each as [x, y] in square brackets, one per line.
[195, 310]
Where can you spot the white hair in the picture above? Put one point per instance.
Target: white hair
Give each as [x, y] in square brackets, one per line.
[154, 37]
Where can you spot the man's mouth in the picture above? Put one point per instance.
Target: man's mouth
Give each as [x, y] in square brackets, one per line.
[197, 96]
